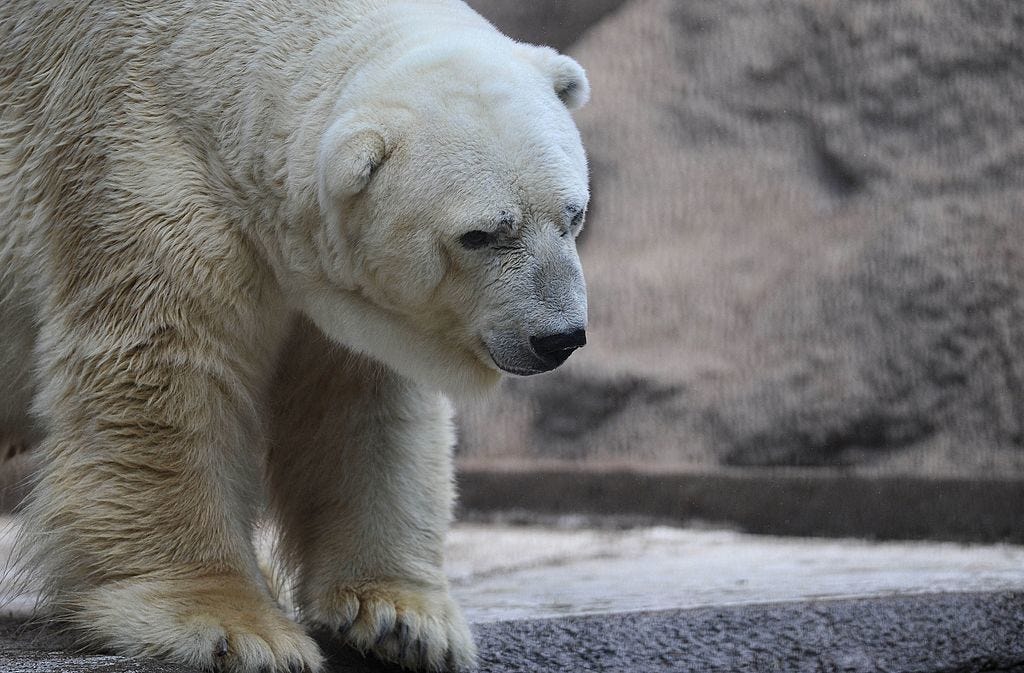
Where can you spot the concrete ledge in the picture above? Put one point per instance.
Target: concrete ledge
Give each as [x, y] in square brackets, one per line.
[510, 573]
[809, 503]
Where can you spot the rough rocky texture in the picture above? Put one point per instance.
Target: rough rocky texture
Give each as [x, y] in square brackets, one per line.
[951, 634]
[805, 244]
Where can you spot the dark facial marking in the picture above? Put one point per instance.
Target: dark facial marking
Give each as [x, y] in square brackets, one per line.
[575, 213]
[476, 239]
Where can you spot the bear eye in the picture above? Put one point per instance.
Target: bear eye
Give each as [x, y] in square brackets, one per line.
[476, 239]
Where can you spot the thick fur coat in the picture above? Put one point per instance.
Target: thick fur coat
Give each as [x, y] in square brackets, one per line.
[246, 246]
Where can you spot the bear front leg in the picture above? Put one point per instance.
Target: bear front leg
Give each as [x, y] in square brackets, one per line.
[360, 473]
[140, 522]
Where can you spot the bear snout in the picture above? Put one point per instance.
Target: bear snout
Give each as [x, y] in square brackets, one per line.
[517, 354]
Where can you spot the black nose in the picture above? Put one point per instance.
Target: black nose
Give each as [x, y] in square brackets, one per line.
[554, 349]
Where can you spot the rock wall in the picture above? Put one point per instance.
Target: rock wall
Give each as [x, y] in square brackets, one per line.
[805, 245]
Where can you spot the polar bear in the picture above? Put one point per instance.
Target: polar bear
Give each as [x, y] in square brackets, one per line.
[247, 250]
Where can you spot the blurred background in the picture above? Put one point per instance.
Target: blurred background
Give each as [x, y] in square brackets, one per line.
[804, 259]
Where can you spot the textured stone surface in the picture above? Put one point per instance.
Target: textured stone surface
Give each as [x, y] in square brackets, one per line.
[805, 243]
[952, 634]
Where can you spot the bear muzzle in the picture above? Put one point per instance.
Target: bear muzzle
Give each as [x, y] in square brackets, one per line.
[537, 354]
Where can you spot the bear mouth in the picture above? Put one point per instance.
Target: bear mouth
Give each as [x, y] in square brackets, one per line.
[513, 369]
[519, 369]
[521, 372]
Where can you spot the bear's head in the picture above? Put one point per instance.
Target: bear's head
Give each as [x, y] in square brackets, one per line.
[452, 185]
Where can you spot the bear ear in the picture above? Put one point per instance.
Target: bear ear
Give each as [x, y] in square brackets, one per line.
[349, 155]
[571, 83]
[567, 77]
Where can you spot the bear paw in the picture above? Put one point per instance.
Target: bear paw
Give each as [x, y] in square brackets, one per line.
[218, 625]
[417, 628]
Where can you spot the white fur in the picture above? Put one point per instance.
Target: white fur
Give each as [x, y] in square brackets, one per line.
[191, 197]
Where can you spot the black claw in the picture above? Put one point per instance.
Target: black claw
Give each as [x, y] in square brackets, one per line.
[449, 662]
[221, 649]
[403, 633]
